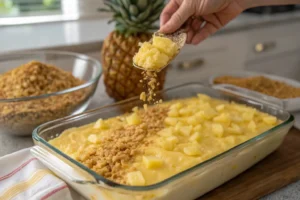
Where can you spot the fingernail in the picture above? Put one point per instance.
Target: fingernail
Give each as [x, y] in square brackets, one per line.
[194, 42]
[166, 28]
[162, 29]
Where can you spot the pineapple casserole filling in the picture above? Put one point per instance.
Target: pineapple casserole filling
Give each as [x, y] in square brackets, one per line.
[156, 55]
[147, 146]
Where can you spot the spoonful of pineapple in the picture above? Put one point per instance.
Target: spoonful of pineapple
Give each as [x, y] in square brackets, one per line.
[156, 54]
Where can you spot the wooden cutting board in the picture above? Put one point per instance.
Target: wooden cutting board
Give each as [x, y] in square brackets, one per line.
[274, 172]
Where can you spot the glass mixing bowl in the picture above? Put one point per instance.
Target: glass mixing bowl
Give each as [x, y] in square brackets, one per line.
[20, 116]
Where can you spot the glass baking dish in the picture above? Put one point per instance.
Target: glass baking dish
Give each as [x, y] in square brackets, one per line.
[186, 185]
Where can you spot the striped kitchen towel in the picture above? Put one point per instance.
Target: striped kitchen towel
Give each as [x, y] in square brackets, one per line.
[23, 177]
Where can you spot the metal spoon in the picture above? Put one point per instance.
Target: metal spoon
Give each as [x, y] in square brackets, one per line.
[179, 37]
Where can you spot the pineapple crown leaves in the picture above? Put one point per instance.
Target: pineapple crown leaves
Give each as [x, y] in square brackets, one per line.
[134, 16]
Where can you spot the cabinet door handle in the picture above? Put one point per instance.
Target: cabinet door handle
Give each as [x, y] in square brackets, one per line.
[185, 65]
[264, 46]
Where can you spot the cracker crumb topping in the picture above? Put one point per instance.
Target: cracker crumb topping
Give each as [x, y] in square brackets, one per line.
[117, 147]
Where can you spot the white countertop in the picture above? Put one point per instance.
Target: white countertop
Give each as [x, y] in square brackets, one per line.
[89, 31]
[49, 35]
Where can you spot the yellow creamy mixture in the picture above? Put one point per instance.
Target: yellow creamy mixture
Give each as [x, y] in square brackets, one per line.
[147, 146]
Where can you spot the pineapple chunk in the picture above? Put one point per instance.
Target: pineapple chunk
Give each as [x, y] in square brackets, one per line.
[207, 125]
[248, 116]
[171, 121]
[136, 178]
[176, 106]
[205, 106]
[270, 120]
[165, 45]
[178, 126]
[200, 116]
[206, 112]
[217, 130]
[222, 118]
[220, 107]
[173, 113]
[100, 124]
[169, 143]
[165, 132]
[252, 126]
[185, 112]
[185, 130]
[192, 121]
[234, 129]
[195, 137]
[93, 138]
[209, 114]
[172, 139]
[203, 97]
[152, 162]
[197, 128]
[230, 140]
[133, 119]
[192, 150]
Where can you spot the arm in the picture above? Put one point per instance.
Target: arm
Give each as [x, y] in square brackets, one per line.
[213, 14]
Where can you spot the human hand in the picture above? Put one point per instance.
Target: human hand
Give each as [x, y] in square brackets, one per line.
[202, 17]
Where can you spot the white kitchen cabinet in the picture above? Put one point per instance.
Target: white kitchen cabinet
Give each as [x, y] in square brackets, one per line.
[272, 40]
[275, 50]
[285, 64]
[217, 54]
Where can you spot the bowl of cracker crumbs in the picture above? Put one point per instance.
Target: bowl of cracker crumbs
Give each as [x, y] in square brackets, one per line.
[37, 87]
[276, 90]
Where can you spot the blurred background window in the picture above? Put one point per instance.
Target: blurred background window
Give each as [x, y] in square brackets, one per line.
[14, 12]
[16, 8]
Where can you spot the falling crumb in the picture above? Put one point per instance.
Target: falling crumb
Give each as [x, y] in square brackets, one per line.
[151, 81]
[143, 96]
[135, 109]
[145, 107]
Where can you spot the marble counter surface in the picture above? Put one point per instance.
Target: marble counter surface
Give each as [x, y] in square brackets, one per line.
[88, 34]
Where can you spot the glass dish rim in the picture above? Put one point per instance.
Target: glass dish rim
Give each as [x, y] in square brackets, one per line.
[165, 182]
[253, 73]
[90, 82]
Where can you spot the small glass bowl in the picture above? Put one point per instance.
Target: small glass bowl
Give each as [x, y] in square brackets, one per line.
[20, 116]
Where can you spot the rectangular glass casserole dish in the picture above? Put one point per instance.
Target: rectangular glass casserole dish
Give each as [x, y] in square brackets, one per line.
[186, 185]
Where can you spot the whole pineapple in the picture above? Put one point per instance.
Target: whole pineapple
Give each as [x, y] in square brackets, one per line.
[134, 23]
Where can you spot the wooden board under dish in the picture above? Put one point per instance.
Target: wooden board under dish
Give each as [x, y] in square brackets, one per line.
[274, 172]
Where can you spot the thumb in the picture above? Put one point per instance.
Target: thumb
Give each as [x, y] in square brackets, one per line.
[177, 19]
